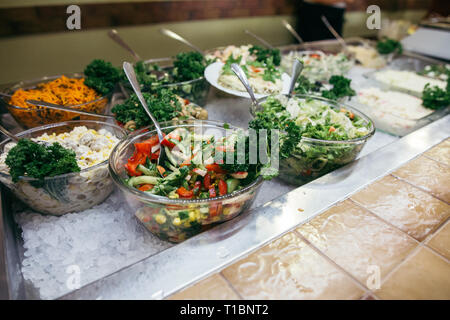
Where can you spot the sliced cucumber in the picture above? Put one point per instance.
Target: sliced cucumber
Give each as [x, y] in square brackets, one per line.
[134, 181]
[147, 171]
[232, 185]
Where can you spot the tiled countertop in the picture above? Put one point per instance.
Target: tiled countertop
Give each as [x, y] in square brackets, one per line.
[390, 240]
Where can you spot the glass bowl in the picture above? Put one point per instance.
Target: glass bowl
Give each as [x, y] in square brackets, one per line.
[315, 157]
[177, 219]
[195, 91]
[69, 192]
[38, 116]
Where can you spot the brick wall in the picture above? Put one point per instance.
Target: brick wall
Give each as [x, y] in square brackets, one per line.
[41, 19]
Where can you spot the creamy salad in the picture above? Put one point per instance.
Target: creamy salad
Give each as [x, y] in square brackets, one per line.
[318, 66]
[407, 80]
[234, 51]
[77, 191]
[255, 79]
[391, 110]
[367, 56]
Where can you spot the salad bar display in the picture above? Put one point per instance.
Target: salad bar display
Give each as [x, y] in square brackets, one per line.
[347, 103]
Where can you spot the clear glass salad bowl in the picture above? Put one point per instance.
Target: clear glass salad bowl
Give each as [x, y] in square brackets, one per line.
[195, 91]
[313, 158]
[178, 219]
[30, 118]
[69, 192]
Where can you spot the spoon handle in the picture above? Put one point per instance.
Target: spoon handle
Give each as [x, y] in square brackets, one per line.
[113, 34]
[177, 37]
[131, 75]
[264, 42]
[63, 108]
[297, 68]
[335, 34]
[8, 134]
[288, 26]
[241, 75]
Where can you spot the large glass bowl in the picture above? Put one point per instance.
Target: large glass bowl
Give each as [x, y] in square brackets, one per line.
[195, 91]
[69, 192]
[38, 116]
[161, 215]
[313, 158]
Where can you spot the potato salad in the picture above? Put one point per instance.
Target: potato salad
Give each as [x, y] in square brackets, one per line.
[76, 191]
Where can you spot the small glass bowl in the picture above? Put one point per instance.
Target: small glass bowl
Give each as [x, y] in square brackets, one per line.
[38, 116]
[176, 220]
[315, 157]
[71, 192]
[195, 91]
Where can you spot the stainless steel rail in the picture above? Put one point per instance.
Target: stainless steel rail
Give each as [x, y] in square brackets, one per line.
[162, 274]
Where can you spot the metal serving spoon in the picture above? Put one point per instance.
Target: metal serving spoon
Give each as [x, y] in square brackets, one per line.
[288, 26]
[243, 78]
[63, 108]
[9, 134]
[113, 34]
[335, 34]
[131, 75]
[177, 37]
[297, 68]
[264, 42]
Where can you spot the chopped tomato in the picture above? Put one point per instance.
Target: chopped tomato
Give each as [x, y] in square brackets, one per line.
[146, 187]
[197, 186]
[154, 155]
[143, 147]
[332, 129]
[186, 101]
[185, 193]
[315, 55]
[212, 191]
[187, 162]
[222, 187]
[255, 69]
[214, 167]
[351, 115]
[223, 148]
[152, 141]
[207, 181]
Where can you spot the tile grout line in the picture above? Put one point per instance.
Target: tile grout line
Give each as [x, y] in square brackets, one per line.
[418, 187]
[438, 161]
[230, 285]
[334, 263]
[419, 243]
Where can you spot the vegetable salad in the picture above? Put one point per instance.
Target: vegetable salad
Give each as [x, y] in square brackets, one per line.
[195, 169]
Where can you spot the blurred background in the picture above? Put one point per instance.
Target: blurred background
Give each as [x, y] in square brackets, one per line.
[34, 39]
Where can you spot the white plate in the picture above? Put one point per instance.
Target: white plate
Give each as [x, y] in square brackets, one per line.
[212, 73]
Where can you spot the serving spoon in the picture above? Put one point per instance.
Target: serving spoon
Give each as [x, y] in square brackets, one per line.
[334, 33]
[9, 134]
[131, 75]
[243, 78]
[264, 42]
[297, 68]
[288, 26]
[175, 36]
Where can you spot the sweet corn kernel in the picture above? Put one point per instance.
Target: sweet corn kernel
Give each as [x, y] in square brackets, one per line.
[191, 216]
[176, 221]
[161, 219]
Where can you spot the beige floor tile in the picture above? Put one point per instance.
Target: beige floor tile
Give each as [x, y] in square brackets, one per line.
[288, 268]
[440, 241]
[423, 276]
[358, 241]
[408, 208]
[429, 175]
[441, 152]
[211, 288]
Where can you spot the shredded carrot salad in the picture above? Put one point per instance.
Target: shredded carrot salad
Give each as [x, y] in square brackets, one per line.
[63, 91]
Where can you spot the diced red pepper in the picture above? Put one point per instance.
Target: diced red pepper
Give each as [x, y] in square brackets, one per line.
[214, 168]
[332, 129]
[146, 187]
[161, 170]
[207, 181]
[222, 187]
[185, 193]
[212, 191]
[154, 155]
[133, 162]
[215, 209]
[144, 148]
